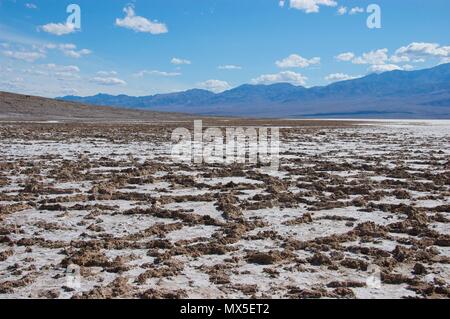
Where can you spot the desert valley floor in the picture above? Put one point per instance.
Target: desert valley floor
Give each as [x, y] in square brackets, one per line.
[356, 210]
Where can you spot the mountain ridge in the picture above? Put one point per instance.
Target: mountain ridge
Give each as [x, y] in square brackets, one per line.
[415, 94]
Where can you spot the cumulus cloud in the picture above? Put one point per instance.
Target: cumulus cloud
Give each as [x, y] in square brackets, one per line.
[59, 28]
[66, 75]
[178, 61]
[229, 67]
[399, 59]
[380, 68]
[108, 81]
[216, 86]
[336, 77]
[27, 56]
[61, 72]
[69, 49]
[311, 6]
[282, 77]
[140, 24]
[77, 54]
[347, 56]
[63, 68]
[373, 57]
[422, 49]
[381, 61]
[296, 61]
[157, 73]
[107, 73]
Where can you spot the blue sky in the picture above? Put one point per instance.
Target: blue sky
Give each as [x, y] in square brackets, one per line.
[145, 47]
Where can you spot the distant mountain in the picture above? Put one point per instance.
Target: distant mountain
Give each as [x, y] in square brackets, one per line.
[396, 94]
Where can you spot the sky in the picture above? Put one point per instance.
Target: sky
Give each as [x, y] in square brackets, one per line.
[146, 47]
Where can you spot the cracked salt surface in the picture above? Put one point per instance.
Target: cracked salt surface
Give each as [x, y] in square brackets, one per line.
[324, 174]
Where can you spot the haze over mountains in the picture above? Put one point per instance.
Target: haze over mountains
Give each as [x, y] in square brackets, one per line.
[395, 94]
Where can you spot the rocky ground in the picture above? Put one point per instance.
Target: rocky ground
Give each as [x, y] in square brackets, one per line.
[102, 211]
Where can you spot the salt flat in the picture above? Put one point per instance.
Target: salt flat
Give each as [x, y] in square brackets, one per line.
[355, 211]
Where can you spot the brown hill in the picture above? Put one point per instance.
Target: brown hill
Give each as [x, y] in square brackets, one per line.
[17, 107]
[26, 108]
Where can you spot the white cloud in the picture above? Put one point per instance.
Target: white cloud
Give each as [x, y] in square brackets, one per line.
[62, 68]
[407, 67]
[69, 49]
[375, 57]
[380, 68]
[33, 71]
[107, 73]
[311, 6]
[140, 24]
[342, 11]
[77, 54]
[380, 60]
[416, 52]
[67, 46]
[399, 59]
[216, 86]
[445, 60]
[66, 75]
[282, 77]
[108, 81]
[356, 10]
[178, 61]
[229, 67]
[336, 77]
[62, 72]
[59, 28]
[421, 49]
[281, 3]
[296, 61]
[347, 56]
[30, 6]
[24, 55]
[51, 69]
[157, 73]
[40, 51]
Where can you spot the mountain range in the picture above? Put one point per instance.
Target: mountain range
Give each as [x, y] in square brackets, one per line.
[396, 94]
